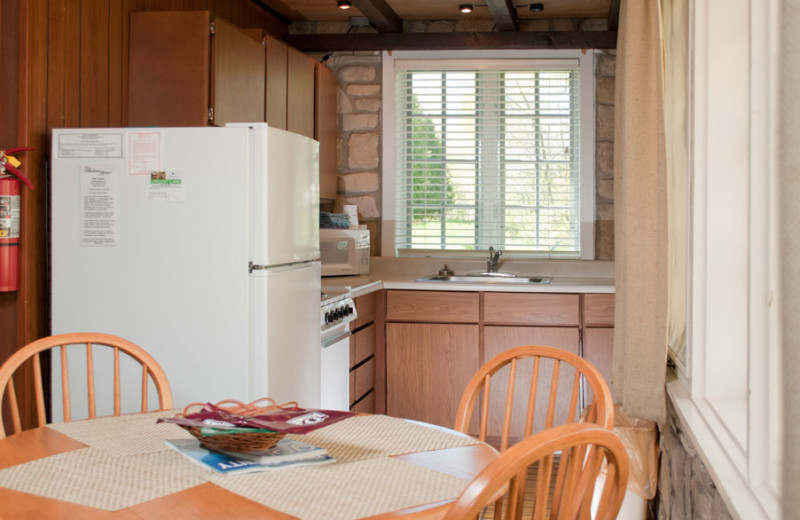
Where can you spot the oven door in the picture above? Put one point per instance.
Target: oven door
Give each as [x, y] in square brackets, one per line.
[335, 370]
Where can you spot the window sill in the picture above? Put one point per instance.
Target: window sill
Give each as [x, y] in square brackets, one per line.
[743, 500]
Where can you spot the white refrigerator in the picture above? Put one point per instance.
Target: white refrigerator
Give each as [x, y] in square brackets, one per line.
[201, 245]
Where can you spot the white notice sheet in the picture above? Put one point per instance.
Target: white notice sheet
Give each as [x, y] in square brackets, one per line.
[144, 152]
[89, 145]
[98, 206]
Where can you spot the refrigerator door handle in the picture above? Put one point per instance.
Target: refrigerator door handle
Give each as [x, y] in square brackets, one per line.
[281, 267]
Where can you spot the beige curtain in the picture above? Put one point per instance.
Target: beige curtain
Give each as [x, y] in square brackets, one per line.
[675, 21]
[640, 214]
[789, 216]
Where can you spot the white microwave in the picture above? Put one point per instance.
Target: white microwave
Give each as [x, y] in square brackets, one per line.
[344, 251]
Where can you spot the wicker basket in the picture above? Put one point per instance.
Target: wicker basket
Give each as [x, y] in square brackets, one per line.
[239, 441]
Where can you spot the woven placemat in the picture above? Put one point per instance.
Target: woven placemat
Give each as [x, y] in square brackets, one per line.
[372, 436]
[124, 435]
[92, 478]
[344, 491]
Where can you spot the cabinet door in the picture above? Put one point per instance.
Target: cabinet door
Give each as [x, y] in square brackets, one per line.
[169, 67]
[598, 349]
[428, 367]
[300, 93]
[237, 75]
[276, 82]
[325, 129]
[498, 339]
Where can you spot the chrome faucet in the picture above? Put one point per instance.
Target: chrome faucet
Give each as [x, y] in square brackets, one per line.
[491, 262]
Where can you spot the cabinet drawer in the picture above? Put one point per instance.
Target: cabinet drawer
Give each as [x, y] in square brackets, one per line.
[365, 307]
[432, 306]
[364, 341]
[598, 310]
[365, 378]
[531, 309]
[366, 405]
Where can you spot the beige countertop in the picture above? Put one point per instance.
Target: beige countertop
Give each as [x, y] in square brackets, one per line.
[565, 276]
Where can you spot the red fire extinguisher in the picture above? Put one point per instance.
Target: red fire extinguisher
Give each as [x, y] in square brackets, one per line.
[10, 213]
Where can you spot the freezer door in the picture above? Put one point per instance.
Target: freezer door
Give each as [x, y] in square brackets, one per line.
[285, 197]
[286, 338]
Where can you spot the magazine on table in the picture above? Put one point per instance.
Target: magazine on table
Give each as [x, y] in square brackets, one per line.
[287, 450]
[234, 463]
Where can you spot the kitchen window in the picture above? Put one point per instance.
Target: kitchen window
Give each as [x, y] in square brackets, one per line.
[488, 152]
[728, 387]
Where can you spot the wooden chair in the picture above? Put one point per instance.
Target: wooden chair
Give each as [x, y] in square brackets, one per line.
[519, 373]
[564, 492]
[150, 370]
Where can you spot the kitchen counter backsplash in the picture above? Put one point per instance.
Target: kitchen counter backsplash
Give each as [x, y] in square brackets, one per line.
[552, 268]
[573, 276]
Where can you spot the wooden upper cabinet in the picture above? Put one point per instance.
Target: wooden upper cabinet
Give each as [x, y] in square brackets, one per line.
[191, 68]
[237, 75]
[276, 82]
[300, 93]
[325, 129]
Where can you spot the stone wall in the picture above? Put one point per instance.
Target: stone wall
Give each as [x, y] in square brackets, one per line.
[359, 147]
[605, 69]
[685, 488]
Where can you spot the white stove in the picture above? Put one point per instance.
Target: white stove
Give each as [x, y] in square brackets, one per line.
[337, 310]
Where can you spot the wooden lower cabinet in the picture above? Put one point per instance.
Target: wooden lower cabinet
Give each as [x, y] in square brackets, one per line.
[363, 361]
[498, 339]
[437, 340]
[598, 349]
[366, 404]
[428, 365]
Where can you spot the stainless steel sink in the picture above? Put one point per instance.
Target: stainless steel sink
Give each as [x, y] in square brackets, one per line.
[484, 278]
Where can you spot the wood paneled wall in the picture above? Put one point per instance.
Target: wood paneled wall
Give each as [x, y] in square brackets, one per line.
[64, 65]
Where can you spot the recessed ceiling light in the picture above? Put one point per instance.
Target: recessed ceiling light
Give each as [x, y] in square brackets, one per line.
[465, 8]
[344, 4]
[536, 8]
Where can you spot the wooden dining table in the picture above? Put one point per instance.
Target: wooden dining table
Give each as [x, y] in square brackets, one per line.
[443, 456]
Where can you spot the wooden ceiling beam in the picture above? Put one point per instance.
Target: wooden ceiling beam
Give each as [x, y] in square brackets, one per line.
[504, 14]
[613, 15]
[454, 41]
[380, 15]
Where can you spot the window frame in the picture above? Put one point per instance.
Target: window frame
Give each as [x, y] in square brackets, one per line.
[472, 59]
[733, 139]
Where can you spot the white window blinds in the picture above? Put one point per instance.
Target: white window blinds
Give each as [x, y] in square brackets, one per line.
[488, 157]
